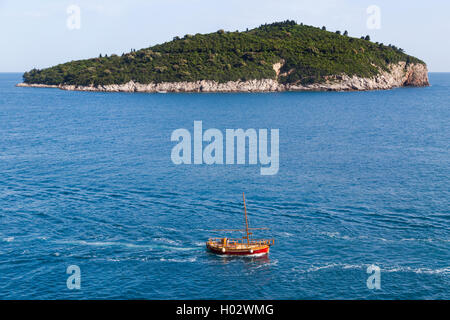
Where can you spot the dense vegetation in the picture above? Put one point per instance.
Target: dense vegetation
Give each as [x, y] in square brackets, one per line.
[309, 54]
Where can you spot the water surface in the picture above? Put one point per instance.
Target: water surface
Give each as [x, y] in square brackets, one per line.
[86, 179]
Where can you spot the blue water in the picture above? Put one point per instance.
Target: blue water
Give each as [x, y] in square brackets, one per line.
[86, 179]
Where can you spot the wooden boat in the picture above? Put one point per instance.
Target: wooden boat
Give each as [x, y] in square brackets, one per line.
[244, 246]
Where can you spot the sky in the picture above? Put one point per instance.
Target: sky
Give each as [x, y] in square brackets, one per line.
[36, 34]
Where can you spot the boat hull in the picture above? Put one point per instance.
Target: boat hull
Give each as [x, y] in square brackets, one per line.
[238, 252]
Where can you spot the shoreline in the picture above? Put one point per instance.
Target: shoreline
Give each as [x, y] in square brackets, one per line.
[399, 75]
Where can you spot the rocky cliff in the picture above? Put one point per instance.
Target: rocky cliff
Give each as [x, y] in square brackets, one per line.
[398, 75]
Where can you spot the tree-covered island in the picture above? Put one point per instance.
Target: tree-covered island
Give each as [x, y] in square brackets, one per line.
[291, 54]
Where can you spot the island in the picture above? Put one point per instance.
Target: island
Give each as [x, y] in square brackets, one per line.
[281, 56]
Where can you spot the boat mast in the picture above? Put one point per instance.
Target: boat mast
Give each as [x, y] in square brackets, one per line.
[246, 221]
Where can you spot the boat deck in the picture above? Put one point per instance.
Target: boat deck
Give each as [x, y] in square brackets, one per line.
[238, 244]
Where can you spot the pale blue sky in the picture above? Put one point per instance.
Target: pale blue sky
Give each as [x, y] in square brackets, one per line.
[34, 33]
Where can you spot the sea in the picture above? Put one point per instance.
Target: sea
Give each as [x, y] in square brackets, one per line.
[92, 205]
